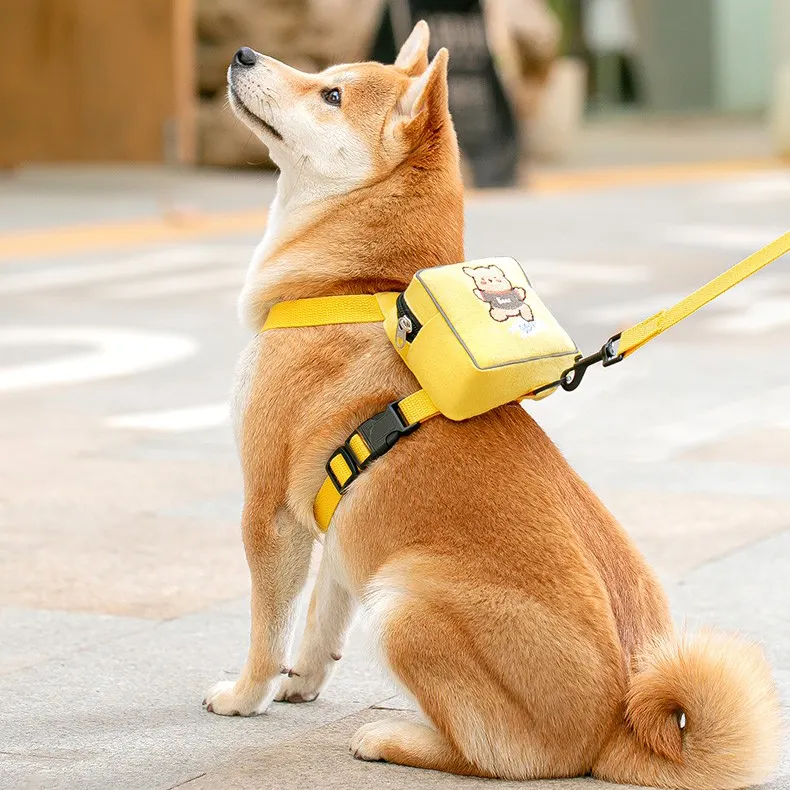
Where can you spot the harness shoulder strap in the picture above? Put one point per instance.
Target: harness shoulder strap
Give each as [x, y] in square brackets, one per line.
[327, 310]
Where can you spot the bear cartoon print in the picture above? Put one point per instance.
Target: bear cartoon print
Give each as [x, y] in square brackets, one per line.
[503, 299]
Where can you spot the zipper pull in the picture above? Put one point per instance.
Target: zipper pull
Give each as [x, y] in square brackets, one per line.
[404, 329]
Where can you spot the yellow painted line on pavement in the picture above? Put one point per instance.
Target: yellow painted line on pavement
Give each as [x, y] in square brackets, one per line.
[85, 238]
[545, 182]
[649, 175]
[189, 226]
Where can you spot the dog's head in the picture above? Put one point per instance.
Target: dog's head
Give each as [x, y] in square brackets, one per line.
[348, 125]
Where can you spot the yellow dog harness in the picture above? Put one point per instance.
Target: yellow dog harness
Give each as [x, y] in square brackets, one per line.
[474, 347]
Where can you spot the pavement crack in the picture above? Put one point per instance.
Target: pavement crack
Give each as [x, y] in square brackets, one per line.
[37, 755]
[186, 781]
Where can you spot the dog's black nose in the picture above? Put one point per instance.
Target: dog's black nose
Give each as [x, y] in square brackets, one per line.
[246, 57]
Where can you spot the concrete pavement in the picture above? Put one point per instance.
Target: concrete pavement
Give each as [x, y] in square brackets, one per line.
[123, 589]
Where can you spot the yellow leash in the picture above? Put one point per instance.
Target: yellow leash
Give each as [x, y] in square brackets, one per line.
[377, 435]
[619, 346]
[639, 334]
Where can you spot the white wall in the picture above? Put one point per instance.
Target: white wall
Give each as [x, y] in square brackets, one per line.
[780, 112]
[743, 43]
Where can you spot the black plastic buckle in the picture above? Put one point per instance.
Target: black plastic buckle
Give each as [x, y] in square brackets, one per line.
[572, 377]
[348, 456]
[382, 431]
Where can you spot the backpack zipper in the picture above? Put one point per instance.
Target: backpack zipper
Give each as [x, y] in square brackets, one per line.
[408, 324]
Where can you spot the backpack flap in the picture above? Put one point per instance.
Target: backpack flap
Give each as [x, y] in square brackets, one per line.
[476, 336]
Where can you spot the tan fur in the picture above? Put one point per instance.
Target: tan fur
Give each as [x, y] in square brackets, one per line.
[724, 687]
[503, 596]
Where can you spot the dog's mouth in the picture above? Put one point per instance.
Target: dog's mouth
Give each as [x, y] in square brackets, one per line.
[250, 116]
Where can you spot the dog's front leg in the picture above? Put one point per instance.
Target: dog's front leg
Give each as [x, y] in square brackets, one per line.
[328, 618]
[278, 553]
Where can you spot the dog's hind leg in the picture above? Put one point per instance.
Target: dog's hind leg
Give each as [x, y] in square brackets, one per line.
[426, 653]
[409, 743]
[513, 688]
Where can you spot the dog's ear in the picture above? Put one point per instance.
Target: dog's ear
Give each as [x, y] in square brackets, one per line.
[428, 92]
[413, 55]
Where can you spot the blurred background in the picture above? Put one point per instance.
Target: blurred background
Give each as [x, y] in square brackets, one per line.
[586, 81]
[638, 148]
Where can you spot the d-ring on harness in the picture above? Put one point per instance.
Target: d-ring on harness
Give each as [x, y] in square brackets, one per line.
[377, 435]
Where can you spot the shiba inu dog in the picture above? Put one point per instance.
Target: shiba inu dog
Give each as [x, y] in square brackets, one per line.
[504, 598]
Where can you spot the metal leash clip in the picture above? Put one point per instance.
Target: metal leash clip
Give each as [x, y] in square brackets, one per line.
[608, 355]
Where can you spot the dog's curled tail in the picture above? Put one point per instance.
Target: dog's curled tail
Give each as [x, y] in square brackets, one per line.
[701, 713]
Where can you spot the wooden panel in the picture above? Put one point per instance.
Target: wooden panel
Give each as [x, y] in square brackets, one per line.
[92, 80]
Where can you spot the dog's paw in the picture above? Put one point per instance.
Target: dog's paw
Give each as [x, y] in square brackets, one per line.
[308, 678]
[301, 686]
[368, 741]
[226, 698]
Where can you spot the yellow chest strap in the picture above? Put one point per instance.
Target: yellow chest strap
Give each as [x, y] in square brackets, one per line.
[378, 434]
[369, 441]
[375, 436]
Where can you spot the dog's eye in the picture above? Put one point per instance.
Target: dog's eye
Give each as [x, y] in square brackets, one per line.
[332, 96]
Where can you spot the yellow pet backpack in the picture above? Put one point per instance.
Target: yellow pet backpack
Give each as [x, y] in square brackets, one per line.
[476, 336]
